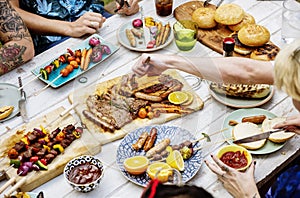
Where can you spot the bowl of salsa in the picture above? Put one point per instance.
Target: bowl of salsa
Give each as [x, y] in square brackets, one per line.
[84, 173]
[235, 156]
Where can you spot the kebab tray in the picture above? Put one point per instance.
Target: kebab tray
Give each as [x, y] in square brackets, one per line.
[81, 96]
[86, 144]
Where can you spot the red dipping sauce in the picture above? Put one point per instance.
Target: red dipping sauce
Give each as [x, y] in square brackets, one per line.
[84, 174]
[234, 159]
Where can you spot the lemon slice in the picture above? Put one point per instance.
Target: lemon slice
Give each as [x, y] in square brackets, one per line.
[190, 98]
[178, 26]
[178, 97]
[163, 175]
[175, 160]
[136, 165]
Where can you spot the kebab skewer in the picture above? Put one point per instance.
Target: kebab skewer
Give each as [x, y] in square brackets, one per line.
[16, 163]
[186, 148]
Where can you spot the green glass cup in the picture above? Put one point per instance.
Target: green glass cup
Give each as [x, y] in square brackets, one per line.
[185, 33]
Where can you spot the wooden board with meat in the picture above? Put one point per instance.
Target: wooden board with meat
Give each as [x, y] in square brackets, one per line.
[113, 108]
[39, 150]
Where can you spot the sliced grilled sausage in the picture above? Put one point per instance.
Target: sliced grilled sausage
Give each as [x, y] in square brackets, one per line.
[254, 119]
[140, 142]
[158, 148]
[144, 96]
[151, 139]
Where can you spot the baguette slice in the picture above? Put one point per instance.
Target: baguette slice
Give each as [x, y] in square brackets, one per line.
[246, 129]
[278, 137]
[241, 90]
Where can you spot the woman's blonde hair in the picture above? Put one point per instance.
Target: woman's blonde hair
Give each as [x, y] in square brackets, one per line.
[287, 70]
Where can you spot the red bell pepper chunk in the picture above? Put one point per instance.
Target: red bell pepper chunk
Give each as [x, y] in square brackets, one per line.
[34, 159]
[44, 161]
[48, 69]
[71, 52]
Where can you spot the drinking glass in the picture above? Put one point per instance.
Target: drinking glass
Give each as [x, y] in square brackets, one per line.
[185, 33]
[163, 7]
[290, 20]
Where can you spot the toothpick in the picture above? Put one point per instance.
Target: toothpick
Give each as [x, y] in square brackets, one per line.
[217, 132]
[221, 141]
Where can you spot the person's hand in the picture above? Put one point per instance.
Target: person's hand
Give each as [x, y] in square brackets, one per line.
[134, 7]
[238, 184]
[291, 124]
[88, 23]
[154, 67]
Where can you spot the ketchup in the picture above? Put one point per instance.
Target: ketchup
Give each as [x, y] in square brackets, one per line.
[84, 174]
[234, 159]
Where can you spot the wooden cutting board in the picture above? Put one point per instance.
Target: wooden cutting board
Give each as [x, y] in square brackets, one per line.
[87, 144]
[80, 96]
[212, 38]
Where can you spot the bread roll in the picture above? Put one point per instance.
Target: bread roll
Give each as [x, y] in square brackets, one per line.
[254, 35]
[229, 14]
[5, 111]
[240, 47]
[246, 129]
[204, 17]
[278, 137]
[248, 19]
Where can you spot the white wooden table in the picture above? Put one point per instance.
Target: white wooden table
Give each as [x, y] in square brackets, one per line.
[208, 120]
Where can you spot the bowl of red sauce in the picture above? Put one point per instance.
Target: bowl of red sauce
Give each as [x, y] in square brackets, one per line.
[235, 156]
[84, 173]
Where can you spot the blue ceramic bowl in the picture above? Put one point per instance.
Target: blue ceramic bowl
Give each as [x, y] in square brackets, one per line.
[85, 159]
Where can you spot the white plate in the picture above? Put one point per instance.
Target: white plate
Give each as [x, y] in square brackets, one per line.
[141, 45]
[177, 135]
[237, 115]
[241, 102]
[9, 96]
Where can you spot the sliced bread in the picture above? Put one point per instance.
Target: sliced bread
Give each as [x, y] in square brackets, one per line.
[278, 137]
[247, 129]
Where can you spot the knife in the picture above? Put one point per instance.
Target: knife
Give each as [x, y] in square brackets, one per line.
[22, 103]
[257, 137]
[146, 30]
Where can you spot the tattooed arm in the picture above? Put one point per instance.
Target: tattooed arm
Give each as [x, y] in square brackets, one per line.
[17, 46]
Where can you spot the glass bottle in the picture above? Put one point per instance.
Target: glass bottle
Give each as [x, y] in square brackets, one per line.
[228, 46]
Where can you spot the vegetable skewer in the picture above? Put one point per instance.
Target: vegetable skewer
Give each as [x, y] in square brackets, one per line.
[207, 136]
[201, 147]
[7, 169]
[9, 182]
[186, 148]
[29, 82]
[49, 84]
[15, 187]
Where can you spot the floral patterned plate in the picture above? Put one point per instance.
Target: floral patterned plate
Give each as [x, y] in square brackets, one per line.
[177, 135]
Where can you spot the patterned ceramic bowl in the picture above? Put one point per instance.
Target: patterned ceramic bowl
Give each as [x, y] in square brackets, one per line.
[84, 173]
